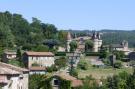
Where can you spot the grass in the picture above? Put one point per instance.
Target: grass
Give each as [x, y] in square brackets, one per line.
[98, 73]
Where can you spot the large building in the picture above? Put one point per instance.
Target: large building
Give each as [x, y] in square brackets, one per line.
[123, 46]
[12, 77]
[95, 38]
[42, 59]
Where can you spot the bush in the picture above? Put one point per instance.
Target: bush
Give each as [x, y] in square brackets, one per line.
[92, 54]
[35, 64]
[60, 54]
[117, 64]
[52, 68]
[83, 65]
[74, 73]
[61, 62]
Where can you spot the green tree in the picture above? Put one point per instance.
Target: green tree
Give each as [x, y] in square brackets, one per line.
[73, 46]
[88, 45]
[61, 62]
[41, 48]
[6, 36]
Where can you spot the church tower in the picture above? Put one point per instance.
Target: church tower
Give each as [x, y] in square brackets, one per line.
[69, 39]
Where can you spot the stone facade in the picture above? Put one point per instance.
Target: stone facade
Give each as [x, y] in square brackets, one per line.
[42, 59]
[8, 56]
[96, 39]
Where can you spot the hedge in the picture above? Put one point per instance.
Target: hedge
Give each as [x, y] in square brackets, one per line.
[60, 54]
[92, 54]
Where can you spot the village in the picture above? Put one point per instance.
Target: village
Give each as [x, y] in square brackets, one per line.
[80, 57]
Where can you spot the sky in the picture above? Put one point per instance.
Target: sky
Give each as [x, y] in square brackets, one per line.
[76, 14]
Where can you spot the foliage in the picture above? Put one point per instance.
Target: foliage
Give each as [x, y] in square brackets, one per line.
[117, 64]
[118, 36]
[35, 64]
[83, 65]
[88, 83]
[62, 36]
[73, 46]
[19, 54]
[119, 55]
[17, 31]
[51, 69]
[92, 54]
[60, 54]
[16, 63]
[51, 43]
[88, 45]
[61, 62]
[41, 48]
[35, 81]
[74, 73]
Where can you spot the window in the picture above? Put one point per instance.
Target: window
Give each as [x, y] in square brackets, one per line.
[56, 82]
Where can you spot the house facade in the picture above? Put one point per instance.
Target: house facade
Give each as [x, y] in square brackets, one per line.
[123, 46]
[12, 77]
[8, 56]
[58, 77]
[42, 59]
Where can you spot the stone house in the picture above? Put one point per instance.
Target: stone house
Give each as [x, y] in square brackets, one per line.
[56, 80]
[8, 56]
[12, 77]
[42, 59]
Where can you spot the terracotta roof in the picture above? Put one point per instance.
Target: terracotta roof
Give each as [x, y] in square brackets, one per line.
[39, 53]
[14, 53]
[74, 81]
[10, 69]
[37, 68]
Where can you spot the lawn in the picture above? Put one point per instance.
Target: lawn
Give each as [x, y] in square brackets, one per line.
[97, 73]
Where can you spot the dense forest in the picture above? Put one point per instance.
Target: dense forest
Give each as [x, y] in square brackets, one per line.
[16, 31]
[117, 36]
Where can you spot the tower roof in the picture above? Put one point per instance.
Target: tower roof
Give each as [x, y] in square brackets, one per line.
[69, 36]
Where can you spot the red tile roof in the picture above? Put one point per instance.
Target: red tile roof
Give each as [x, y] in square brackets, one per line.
[39, 53]
[37, 68]
[74, 81]
[10, 69]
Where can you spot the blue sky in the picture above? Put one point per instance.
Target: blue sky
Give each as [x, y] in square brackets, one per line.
[77, 14]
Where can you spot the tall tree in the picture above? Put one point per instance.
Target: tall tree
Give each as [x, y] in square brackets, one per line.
[88, 45]
[73, 46]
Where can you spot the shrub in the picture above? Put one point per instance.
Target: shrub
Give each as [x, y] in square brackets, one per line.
[52, 68]
[83, 65]
[117, 64]
[74, 73]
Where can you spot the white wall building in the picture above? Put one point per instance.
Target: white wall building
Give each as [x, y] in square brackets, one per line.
[12, 77]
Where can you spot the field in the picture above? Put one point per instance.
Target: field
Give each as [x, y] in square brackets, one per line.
[97, 73]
